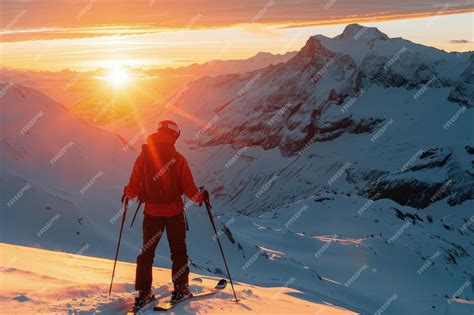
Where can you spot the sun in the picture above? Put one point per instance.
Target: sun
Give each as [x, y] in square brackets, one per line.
[118, 77]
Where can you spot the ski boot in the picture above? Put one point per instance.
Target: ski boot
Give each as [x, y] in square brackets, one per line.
[143, 299]
[180, 292]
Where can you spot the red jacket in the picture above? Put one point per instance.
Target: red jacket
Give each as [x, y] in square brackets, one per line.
[185, 178]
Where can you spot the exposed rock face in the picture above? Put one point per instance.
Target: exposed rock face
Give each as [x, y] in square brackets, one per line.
[408, 187]
[463, 91]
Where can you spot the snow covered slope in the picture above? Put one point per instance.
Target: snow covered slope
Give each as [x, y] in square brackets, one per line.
[61, 179]
[360, 253]
[62, 283]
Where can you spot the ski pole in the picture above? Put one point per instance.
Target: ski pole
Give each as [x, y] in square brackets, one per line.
[135, 215]
[125, 206]
[209, 207]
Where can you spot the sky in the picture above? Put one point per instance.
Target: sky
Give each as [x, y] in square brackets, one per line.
[83, 35]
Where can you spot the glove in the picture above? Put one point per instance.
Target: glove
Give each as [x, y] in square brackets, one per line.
[205, 195]
[124, 199]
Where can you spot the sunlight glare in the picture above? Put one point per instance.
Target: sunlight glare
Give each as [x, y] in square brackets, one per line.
[118, 77]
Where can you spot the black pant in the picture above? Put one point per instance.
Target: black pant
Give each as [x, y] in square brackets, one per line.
[153, 228]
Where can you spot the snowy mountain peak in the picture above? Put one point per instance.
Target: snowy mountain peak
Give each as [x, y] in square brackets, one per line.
[314, 47]
[359, 32]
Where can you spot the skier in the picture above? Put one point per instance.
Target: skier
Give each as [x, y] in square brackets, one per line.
[160, 176]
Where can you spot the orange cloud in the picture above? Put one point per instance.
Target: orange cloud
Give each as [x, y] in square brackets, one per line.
[25, 20]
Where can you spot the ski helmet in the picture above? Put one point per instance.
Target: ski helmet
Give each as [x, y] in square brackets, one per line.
[170, 126]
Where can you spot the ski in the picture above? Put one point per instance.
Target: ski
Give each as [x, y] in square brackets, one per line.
[137, 310]
[168, 306]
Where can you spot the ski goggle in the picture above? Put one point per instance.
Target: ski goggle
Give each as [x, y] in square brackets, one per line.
[171, 126]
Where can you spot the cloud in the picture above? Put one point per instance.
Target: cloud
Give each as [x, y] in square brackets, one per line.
[48, 15]
[460, 41]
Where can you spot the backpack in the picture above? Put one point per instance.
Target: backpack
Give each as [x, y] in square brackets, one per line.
[160, 181]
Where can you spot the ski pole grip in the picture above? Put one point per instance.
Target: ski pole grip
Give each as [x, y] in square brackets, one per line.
[205, 196]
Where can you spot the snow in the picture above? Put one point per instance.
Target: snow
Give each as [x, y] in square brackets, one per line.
[69, 173]
[65, 283]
